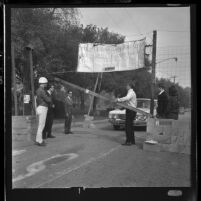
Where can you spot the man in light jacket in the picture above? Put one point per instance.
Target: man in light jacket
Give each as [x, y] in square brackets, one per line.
[130, 100]
[42, 101]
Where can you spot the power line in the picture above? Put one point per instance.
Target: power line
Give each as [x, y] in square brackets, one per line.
[140, 34]
[130, 18]
[111, 17]
[181, 31]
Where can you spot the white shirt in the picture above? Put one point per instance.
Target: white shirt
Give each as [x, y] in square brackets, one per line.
[129, 99]
[161, 92]
[48, 92]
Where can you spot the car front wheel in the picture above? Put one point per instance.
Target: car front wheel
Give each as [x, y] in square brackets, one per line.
[116, 127]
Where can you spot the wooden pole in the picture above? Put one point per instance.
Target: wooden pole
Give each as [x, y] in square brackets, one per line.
[87, 91]
[14, 79]
[32, 80]
[92, 99]
[153, 76]
[97, 91]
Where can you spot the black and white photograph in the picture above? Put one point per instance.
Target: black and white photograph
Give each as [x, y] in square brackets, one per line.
[101, 97]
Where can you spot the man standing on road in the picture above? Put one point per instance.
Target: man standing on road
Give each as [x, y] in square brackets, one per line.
[130, 100]
[173, 104]
[47, 131]
[68, 105]
[162, 102]
[42, 101]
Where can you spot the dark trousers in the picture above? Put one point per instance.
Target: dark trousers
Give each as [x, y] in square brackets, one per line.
[67, 125]
[47, 131]
[130, 135]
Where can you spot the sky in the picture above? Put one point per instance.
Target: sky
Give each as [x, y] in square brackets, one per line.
[173, 33]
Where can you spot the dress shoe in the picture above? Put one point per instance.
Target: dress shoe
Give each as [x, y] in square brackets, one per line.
[127, 143]
[70, 132]
[51, 136]
[41, 144]
[132, 142]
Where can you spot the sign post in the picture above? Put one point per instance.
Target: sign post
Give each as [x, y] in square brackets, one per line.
[153, 75]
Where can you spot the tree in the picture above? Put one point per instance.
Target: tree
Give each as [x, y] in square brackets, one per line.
[184, 94]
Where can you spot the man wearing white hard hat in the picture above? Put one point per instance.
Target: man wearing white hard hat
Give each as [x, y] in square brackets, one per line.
[42, 107]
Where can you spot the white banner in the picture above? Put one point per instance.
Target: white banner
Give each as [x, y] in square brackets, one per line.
[109, 57]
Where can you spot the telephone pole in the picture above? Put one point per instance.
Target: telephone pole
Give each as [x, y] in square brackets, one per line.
[14, 78]
[153, 74]
[28, 81]
[30, 49]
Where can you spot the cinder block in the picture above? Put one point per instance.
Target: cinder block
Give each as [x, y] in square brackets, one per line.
[91, 125]
[173, 132]
[164, 147]
[24, 128]
[151, 147]
[185, 149]
[164, 139]
[174, 148]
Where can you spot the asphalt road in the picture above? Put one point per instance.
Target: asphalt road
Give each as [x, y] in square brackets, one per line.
[94, 157]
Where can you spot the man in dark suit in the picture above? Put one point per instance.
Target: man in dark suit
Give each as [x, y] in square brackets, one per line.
[47, 131]
[162, 102]
[68, 105]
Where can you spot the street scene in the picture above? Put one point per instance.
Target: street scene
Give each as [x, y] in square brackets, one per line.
[93, 158]
[101, 97]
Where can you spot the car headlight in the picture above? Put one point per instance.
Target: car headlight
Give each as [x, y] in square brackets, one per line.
[116, 116]
[141, 118]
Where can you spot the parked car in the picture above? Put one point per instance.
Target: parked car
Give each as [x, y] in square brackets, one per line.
[181, 110]
[117, 117]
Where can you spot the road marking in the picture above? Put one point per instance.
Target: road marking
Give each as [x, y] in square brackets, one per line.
[39, 166]
[69, 170]
[17, 152]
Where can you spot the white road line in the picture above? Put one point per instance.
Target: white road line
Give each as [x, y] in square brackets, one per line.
[69, 170]
[39, 166]
[17, 152]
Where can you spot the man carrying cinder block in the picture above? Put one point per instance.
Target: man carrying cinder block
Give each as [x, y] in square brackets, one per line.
[130, 100]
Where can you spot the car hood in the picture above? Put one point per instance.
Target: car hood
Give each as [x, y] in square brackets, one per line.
[118, 111]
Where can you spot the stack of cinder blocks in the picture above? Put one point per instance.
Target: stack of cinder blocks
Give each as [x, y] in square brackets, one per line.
[88, 122]
[171, 135]
[24, 128]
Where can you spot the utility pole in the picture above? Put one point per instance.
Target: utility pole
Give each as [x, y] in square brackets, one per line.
[28, 82]
[14, 79]
[92, 98]
[97, 91]
[30, 49]
[153, 75]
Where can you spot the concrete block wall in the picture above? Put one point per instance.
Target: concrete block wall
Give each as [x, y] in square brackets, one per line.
[171, 135]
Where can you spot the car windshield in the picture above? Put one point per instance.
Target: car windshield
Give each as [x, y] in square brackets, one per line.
[143, 103]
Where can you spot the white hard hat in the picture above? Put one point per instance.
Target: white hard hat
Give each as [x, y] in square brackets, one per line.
[42, 80]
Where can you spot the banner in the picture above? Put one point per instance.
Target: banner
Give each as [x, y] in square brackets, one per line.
[111, 57]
